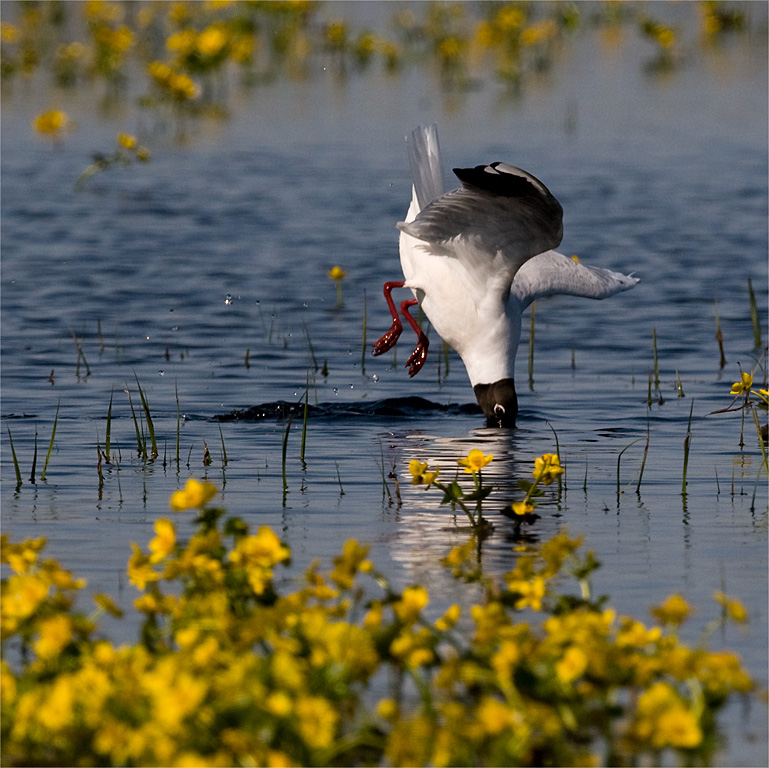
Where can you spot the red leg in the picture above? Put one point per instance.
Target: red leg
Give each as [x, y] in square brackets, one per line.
[388, 340]
[419, 355]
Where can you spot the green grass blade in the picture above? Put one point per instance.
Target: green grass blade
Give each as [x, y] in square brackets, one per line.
[224, 450]
[107, 440]
[53, 435]
[141, 447]
[15, 460]
[150, 425]
[687, 443]
[178, 420]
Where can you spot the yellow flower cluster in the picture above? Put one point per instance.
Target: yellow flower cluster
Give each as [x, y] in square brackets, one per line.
[228, 670]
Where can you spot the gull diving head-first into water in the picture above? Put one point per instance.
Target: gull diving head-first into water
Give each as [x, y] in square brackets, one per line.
[474, 259]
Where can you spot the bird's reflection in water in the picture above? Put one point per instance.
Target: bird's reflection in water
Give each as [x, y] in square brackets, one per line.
[428, 530]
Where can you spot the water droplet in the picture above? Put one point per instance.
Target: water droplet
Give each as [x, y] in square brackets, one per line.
[147, 337]
[336, 391]
[352, 386]
[175, 328]
[162, 373]
[228, 299]
[375, 378]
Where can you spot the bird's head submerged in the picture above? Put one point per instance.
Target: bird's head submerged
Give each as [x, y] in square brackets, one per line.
[498, 402]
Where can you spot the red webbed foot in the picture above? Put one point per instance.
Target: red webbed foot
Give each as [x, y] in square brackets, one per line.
[391, 337]
[419, 355]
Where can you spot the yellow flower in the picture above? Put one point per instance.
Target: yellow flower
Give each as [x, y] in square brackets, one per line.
[55, 634]
[337, 273]
[530, 592]
[126, 141]
[733, 608]
[257, 554]
[420, 475]
[165, 541]
[675, 610]
[571, 665]
[21, 557]
[522, 507]
[140, 571]
[52, 122]
[493, 716]
[475, 461]
[195, 494]
[317, 721]
[449, 619]
[413, 599]
[211, 41]
[547, 468]
[743, 385]
[387, 709]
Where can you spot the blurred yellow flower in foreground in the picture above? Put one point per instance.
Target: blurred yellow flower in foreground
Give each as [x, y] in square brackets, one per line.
[475, 461]
[194, 494]
[337, 273]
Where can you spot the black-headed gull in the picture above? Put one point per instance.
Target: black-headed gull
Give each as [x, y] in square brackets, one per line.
[474, 259]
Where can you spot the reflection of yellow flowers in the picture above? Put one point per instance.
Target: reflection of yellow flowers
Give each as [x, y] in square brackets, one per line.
[743, 385]
[52, 122]
[194, 494]
[475, 461]
[179, 85]
[547, 468]
[126, 140]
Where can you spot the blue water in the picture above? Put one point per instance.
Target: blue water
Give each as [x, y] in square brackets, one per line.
[221, 246]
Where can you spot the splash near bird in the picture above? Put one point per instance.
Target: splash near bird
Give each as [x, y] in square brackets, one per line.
[475, 258]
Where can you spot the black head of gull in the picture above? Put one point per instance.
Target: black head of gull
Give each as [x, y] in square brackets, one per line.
[474, 259]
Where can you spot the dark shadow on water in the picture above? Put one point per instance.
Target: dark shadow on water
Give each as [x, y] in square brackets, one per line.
[391, 407]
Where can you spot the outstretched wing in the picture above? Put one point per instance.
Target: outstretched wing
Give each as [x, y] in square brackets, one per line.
[426, 166]
[501, 217]
[553, 273]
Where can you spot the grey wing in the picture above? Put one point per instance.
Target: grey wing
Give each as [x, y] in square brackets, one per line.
[552, 273]
[500, 211]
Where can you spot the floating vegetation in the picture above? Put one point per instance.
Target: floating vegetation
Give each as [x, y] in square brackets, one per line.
[233, 666]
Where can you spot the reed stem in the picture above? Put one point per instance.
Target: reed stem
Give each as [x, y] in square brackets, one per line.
[15, 460]
[687, 442]
[50, 445]
[754, 316]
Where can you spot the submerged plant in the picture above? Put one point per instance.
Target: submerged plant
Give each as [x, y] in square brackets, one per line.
[232, 666]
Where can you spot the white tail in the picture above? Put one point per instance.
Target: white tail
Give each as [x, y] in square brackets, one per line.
[426, 167]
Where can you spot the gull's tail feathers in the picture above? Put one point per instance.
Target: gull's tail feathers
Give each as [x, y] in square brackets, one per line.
[426, 167]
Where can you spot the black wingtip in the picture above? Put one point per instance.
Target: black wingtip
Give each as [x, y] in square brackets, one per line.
[504, 184]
